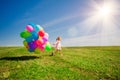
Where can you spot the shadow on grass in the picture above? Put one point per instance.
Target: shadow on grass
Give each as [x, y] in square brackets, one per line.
[21, 58]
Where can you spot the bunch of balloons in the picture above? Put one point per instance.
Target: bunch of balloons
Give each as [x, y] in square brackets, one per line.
[35, 38]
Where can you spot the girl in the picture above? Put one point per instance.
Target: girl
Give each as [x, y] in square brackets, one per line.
[57, 46]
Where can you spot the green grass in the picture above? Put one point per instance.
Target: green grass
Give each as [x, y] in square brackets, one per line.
[77, 63]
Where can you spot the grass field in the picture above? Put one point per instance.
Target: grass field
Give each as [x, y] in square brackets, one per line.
[77, 63]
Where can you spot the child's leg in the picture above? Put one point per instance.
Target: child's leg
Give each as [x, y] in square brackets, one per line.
[60, 53]
[55, 52]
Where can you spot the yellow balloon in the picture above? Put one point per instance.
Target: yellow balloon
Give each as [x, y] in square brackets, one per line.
[40, 37]
[25, 43]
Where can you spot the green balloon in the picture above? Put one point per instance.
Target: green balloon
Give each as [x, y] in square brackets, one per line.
[48, 46]
[25, 34]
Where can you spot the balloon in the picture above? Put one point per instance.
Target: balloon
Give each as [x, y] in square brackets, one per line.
[25, 34]
[44, 39]
[29, 28]
[36, 39]
[40, 37]
[41, 33]
[39, 42]
[32, 45]
[34, 35]
[32, 24]
[39, 27]
[25, 43]
[22, 34]
[31, 50]
[29, 39]
[47, 35]
[41, 47]
[27, 47]
[47, 47]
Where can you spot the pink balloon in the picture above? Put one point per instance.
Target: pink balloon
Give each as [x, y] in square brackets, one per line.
[29, 28]
[41, 47]
[46, 35]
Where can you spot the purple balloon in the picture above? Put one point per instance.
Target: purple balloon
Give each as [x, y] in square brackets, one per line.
[45, 39]
[32, 45]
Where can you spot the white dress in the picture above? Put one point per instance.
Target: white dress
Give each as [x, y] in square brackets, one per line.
[58, 45]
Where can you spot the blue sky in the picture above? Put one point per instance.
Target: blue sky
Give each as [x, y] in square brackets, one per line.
[74, 20]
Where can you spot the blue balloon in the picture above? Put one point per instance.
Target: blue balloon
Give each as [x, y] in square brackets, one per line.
[29, 39]
[34, 35]
[36, 28]
[31, 50]
[32, 24]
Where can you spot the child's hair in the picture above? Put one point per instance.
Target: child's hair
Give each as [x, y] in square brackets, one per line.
[58, 38]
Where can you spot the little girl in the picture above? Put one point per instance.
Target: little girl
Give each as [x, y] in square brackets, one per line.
[57, 46]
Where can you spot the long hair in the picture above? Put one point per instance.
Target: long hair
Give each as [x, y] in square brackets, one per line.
[58, 38]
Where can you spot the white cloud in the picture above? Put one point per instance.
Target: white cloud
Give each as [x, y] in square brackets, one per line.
[94, 40]
[72, 31]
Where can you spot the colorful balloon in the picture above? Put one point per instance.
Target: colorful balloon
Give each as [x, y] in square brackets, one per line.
[25, 43]
[32, 45]
[39, 27]
[27, 47]
[47, 47]
[22, 34]
[44, 39]
[47, 35]
[41, 47]
[25, 34]
[39, 42]
[29, 28]
[29, 39]
[34, 35]
[31, 50]
[32, 24]
[36, 39]
[41, 33]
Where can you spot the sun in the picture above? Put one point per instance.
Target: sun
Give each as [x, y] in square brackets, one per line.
[105, 11]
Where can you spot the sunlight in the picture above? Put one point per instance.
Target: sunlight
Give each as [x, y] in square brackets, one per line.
[105, 11]
[102, 21]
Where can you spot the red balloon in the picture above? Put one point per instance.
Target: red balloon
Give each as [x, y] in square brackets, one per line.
[41, 33]
[39, 42]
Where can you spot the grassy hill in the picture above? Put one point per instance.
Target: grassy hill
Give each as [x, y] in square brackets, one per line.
[77, 63]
